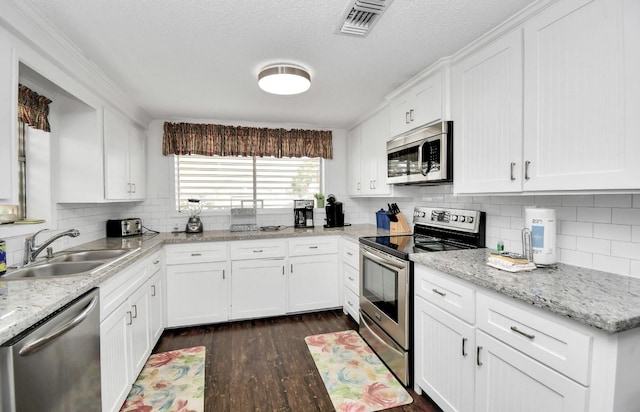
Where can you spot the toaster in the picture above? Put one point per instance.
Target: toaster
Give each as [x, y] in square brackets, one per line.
[124, 227]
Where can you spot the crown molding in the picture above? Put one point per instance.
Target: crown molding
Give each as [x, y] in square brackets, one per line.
[29, 25]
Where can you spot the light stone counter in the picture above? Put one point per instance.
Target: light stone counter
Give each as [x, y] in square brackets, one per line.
[29, 301]
[599, 299]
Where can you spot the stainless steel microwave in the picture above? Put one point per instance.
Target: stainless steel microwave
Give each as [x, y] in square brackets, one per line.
[421, 156]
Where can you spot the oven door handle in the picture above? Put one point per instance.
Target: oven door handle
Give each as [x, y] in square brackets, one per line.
[382, 261]
[363, 321]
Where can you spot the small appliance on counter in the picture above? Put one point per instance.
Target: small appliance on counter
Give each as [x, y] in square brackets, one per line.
[335, 215]
[303, 213]
[539, 236]
[194, 224]
[124, 227]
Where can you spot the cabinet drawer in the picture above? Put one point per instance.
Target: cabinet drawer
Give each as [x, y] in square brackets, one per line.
[196, 253]
[547, 340]
[118, 289]
[257, 249]
[305, 246]
[351, 254]
[352, 304]
[445, 292]
[351, 279]
[154, 263]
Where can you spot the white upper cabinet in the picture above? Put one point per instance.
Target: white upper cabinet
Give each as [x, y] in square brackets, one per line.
[8, 119]
[367, 156]
[421, 104]
[487, 112]
[581, 127]
[124, 159]
[551, 106]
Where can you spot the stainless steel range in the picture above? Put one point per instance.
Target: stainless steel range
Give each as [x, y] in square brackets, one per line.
[386, 278]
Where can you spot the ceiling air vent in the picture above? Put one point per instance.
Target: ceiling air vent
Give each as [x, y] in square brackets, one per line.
[362, 15]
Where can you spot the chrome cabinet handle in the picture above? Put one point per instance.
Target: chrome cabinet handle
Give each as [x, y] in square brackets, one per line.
[349, 253]
[464, 343]
[196, 254]
[525, 334]
[130, 318]
[351, 279]
[153, 290]
[411, 118]
[438, 292]
[513, 176]
[257, 251]
[135, 309]
[134, 187]
[313, 247]
[156, 262]
[350, 304]
[34, 346]
[223, 274]
[129, 187]
[292, 268]
[358, 186]
[478, 362]
[283, 270]
[406, 118]
[526, 169]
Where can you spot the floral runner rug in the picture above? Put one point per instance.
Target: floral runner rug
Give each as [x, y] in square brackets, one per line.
[169, 382]
[356, 379]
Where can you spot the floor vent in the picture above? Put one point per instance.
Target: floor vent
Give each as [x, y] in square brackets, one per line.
[360, 16]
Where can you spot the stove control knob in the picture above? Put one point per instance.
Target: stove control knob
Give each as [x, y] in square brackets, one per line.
[423, 214]
[470, 219]
[462, 218]
[454, 218]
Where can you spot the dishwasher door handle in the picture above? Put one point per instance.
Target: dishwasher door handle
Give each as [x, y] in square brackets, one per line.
[34, 346]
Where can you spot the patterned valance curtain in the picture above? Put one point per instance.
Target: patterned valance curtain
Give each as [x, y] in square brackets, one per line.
[215, 139]
[33, 109]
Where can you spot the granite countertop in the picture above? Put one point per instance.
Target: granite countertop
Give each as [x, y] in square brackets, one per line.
[25, 302]
[602, 300]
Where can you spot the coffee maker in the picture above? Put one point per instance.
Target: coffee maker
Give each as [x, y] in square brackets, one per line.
[303, 213]
[335, 215]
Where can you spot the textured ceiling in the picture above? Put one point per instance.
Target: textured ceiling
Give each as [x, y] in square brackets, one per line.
[200, 58]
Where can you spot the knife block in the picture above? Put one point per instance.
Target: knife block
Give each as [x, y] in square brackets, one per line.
[401, 226]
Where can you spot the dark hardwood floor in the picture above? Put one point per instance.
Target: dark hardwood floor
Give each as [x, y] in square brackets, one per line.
[264, 364]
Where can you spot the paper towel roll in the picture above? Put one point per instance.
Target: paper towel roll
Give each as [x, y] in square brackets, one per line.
[542, 224]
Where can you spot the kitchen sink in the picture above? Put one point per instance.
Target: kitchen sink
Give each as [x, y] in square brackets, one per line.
[89, 255]
[69, 263]
[53, 269]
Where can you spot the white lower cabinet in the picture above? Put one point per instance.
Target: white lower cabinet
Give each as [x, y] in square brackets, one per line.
[127, 335]
[197, 283]
[508, 380]
[351, 278]
[313, 282]
[156, 303]
[197, 294]
[444, 357]
[258, 288]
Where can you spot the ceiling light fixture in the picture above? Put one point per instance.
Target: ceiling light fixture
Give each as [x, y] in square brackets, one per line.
[284, 79]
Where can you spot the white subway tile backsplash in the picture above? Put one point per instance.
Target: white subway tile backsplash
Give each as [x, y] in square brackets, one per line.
[626, 216]
[636, 201]
[501, 200]
[566, 242]
[594, 214]
[635, 268]
[572, 257]
[517, 223]
[577, 200]
[611, 264]
[591, 245]
[523, 200]
[511, 210]
[635, 234]
[625, 249]
[566, 213]
[548, 201]
[612, 232]
[583, 229]
[499, 221]
[613, 201]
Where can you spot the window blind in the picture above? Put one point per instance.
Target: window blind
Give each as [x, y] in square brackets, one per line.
[223, 182]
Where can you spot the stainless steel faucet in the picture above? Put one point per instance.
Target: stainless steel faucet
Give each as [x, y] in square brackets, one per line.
[31, 250]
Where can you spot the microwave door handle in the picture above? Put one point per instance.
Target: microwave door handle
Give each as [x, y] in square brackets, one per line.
[422, 169]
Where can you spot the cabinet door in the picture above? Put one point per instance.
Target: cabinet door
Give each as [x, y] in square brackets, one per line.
[140, 327]
[444, 357]
[507, 381]
[400, 112]
[313, 283]
[576, 101]
[354, 164]
[156, 307]
[373, 154]
[427, 100]
[258, 288]
[487, 108]
[115, 357]
[116, 159]
[197, 294]
[137, 164]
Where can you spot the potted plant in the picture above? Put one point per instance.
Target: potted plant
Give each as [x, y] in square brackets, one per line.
[319, 200]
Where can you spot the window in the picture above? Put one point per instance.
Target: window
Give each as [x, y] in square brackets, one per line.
[222, 182]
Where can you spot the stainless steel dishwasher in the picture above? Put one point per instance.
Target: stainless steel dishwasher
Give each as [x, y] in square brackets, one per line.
[55, 365]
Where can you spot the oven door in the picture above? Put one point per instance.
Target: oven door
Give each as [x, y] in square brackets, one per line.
[384, 292]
